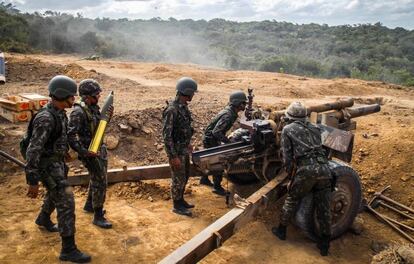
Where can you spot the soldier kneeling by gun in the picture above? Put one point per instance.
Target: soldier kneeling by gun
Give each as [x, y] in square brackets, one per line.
[44, 147]
[306, 162]
[83, 124]
[215, 134]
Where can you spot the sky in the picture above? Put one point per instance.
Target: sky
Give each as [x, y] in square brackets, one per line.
[391, 13]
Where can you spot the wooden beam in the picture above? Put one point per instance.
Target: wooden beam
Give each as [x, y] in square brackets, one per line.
[215, 234]
[152, 172]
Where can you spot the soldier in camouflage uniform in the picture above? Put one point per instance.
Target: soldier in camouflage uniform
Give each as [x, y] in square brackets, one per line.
[45, 162]
[305, 161]
[215, 134]
[83, 122]
[177, 133]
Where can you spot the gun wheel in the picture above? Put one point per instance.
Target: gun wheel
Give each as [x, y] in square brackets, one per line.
[345, 204]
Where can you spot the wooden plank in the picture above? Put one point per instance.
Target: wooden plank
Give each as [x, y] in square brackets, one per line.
[215, 234]
[152, 172]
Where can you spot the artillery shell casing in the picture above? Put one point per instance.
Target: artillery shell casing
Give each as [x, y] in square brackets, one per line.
[96, 142]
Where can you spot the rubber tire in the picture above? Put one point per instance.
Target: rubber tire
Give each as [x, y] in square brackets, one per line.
[305, 215]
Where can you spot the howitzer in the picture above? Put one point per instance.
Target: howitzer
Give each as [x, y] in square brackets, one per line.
[256, 157]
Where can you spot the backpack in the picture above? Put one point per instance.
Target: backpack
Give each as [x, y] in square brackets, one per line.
[25, 141]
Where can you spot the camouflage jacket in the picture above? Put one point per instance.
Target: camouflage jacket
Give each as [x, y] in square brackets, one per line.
[46, 146]
[83, 122]
[301, 145]
[215, 132]
[177, 130]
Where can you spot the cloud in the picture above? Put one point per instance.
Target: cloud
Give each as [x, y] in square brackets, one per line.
[57, 5]
[391, 13]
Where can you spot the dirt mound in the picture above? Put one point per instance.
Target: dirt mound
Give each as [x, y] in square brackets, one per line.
[30, 70]
[142, 129]
[77, 72]
[160, 69]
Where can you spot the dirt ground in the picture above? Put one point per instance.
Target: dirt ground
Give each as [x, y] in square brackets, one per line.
[145, 230]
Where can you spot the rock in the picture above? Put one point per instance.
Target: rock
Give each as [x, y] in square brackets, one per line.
[374, 135]
[378, 246]
[125, 128]
[135, 123]
[111, 142]
[365, 135]
[406, 253]
[405, 178]
[150, 199]
[160, 147]
[358, 225]
[147, 130]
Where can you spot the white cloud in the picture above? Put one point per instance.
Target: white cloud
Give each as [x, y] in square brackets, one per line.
[352, 5]
[333, 12]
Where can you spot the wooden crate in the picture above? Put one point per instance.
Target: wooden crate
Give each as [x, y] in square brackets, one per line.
[15, 117]
[15, 103]
[37, 100]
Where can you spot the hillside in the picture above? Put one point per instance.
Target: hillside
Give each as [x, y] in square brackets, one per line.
[144, 228]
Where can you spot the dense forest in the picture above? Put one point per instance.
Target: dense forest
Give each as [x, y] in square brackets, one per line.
[365, 51]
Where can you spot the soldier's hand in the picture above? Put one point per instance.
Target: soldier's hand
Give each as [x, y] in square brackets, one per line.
[190, 148]
[110, 111]
[175, 163]
[33, 191]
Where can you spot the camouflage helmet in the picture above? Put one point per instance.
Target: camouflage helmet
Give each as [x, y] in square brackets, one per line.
[295, 111]
[186, 86]
[89, 87]
[237, 98]
[62, 87]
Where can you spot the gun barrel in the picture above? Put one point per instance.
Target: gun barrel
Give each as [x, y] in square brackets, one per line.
[359, 111]
[11, 158]
[338, 105]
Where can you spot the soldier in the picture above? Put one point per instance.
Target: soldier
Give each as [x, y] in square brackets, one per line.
[45, 162]
[215, 134]
[177, 133]
[306, 163]
[83, 123]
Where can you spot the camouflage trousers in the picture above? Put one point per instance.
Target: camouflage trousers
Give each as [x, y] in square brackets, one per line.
[315, 179]
[60, 198]
[217, 175]
[179, 178]
[97, 168]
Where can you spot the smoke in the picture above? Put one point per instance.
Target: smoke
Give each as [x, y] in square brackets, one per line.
[171, 41]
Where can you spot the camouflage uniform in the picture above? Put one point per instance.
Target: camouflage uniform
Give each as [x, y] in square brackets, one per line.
[215, 133]
[301, 147]
[45, 162]
[83, 122]
[177, 133]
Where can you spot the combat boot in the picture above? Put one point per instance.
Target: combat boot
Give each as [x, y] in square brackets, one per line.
[205, 181]
[185, 204]
[100, 220]
[71, 253]
[219, 190]
[88, 204]
[280, 231]
[323, 245]
[180, 209]
[43, 220]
